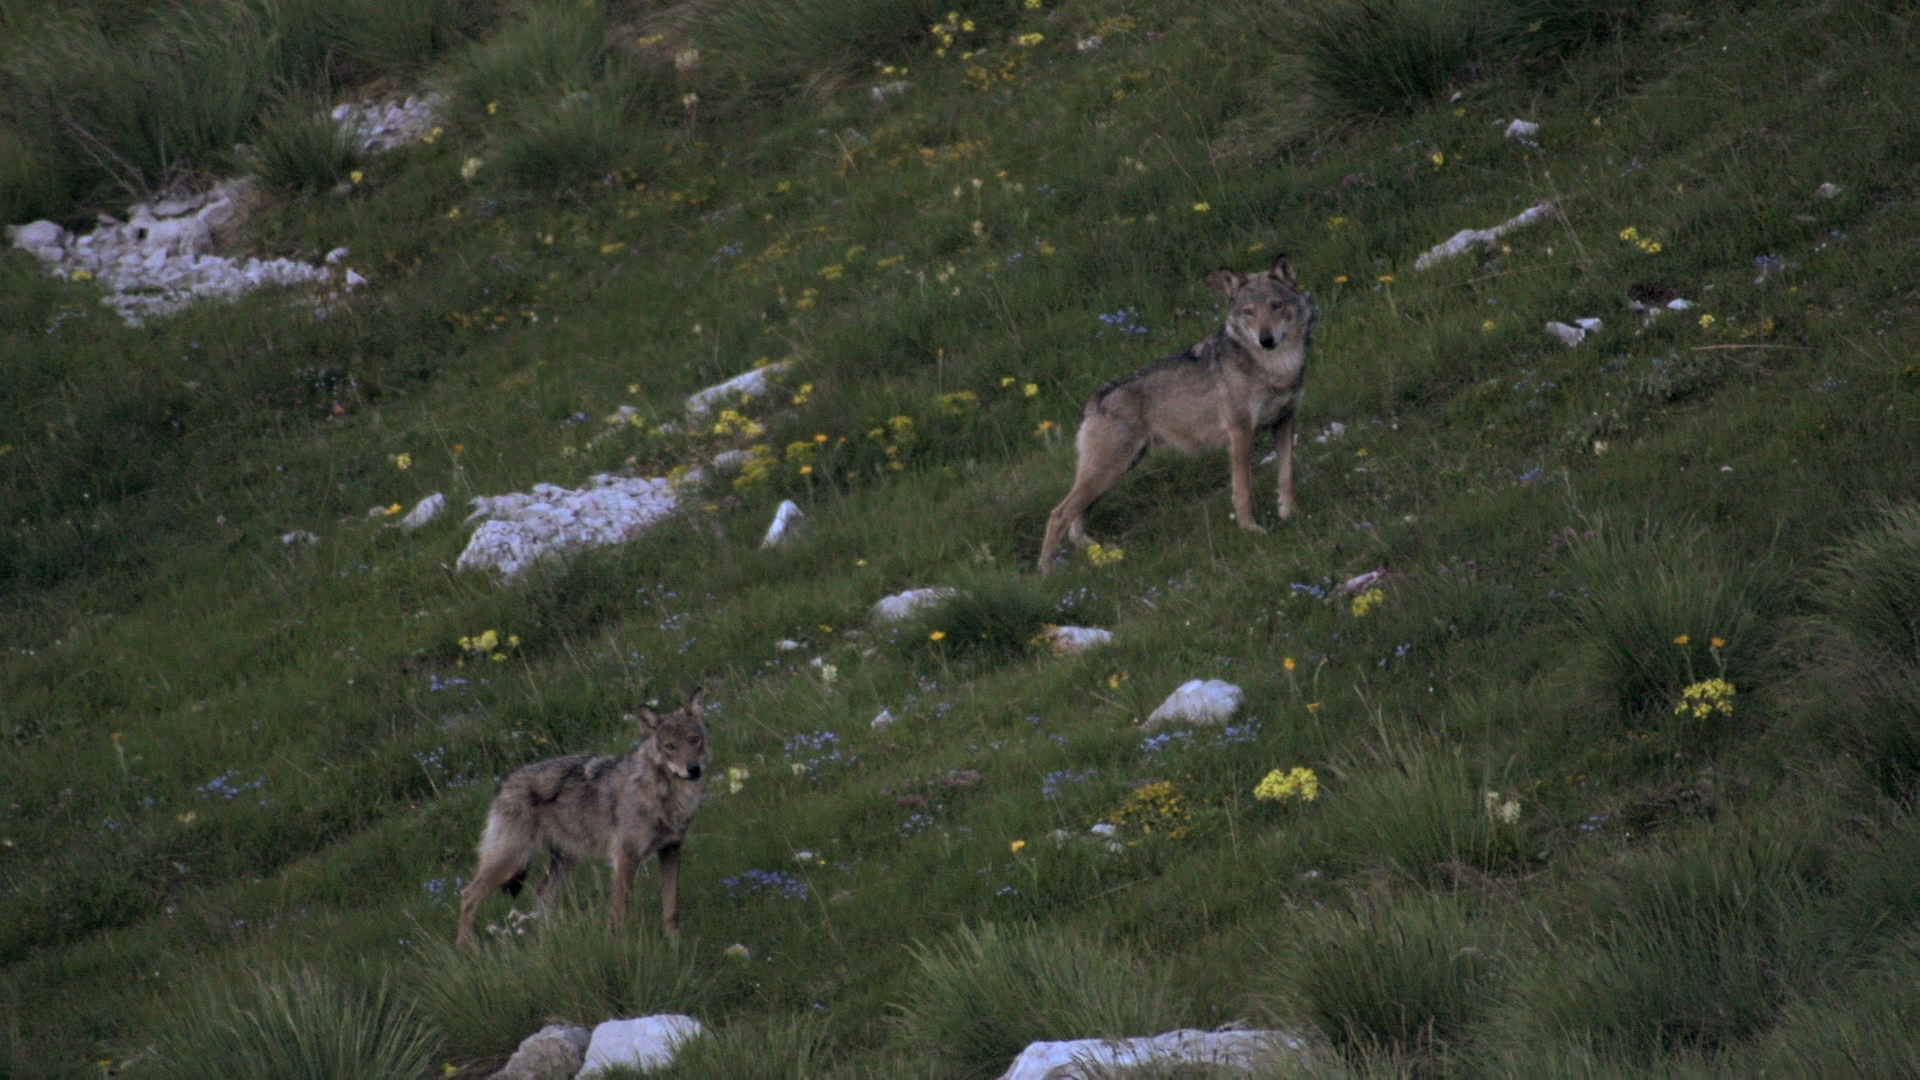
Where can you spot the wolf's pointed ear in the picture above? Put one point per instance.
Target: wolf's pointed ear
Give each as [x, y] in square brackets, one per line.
[1282, 269]
[1227, 280]
[694, 704]
[649, 720]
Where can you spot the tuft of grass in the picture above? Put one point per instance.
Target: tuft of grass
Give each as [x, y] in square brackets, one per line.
[996, 616]
[983, 994]
[768, 1049]
[1651, 608]
[299, 148]
[1404, 980]
[568, 966]
[1426, 813]
[1370, 57]
[1697, 946]
[763, 47]
[295, 1024]
[1861, 684]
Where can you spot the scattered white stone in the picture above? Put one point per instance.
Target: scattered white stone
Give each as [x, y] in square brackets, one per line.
[885, 720]
[383, 125]
[753, 384]
[519, 529]
[552, 1053]
[902, 605]
[1334, 430]
[1104, 830]
[333, 257]
[1362, 582]
[1568, 335]
[1089, 44]
[354, 279]
[1094, 1059]
[887, 90]
[647, 1042]
[1523, 130]
[789, 521]
[728, 462]
[299, 536]
[1210, 701]
[1467, 239]
[1828, 190]
[424, 511]
[1072, 640]
[156, 263]
[787, 645]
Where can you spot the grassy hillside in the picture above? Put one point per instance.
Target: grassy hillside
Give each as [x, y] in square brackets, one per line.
[246, 776]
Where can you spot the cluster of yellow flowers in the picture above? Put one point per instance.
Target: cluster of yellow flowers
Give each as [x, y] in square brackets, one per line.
[1705, 698]
[959, 403]
[1281, 785]
[1105, 554]
[1155, 810]
[734, 422]
[488, 645]
[1367, 601]
[1632, 236]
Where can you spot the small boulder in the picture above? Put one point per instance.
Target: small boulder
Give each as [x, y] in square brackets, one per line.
[1073, 640]
[1209, 701]
[789, 521]
[755, 383]
[904, 605]
[1089, 1059]
[552, 1053]
[647, 1042]
[425, 511]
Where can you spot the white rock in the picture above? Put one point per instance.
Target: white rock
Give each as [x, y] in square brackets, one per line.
[1522, 129]
[786, 645]
[42, 239]
[1210, 701]
[1363, 582]
[789, 521]
[299, 536]
[904, 604]
[1590, 325]
[424, 511]
[552, 1053]
[1467, 239]
[1828, 190]
[753, 384]
[1092, 1059]
[648, 1042]
[728, 462]
[1568, 335]
[354, 280]
[333, 257]
[1071, 640]
[885, 720]
[518, 529]
[1677, 304]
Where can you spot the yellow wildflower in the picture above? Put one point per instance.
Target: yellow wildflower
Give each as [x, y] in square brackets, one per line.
[1367, 601]
[1028, 41]
[1705, 698]
[1201, 207]
[1105, 554]
[1017, 846]
[1280, 785]
[1031, 390]
[403, 461]
[937, 635]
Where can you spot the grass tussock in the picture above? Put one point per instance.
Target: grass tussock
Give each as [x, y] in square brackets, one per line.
[983, 994]
[294, 1024]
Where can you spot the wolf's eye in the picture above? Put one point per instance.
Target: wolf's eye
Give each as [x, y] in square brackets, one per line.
[1274, 306]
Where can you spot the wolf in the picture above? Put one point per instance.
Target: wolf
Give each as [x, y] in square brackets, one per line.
[586, 805]
[1246, 379]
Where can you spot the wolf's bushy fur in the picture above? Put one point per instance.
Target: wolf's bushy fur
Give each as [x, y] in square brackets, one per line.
[586, 805]
[1247, 378]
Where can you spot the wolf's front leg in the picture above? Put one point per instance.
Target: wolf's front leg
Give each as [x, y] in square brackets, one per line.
[670, 889]
[1283, 454]
[1240, 459]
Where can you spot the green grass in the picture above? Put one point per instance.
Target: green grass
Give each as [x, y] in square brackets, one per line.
[227, 753]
